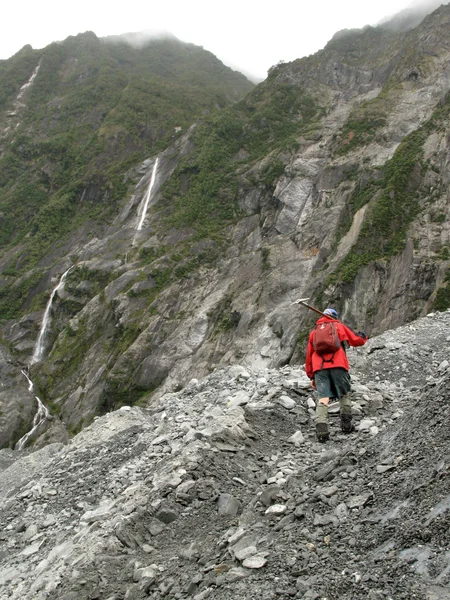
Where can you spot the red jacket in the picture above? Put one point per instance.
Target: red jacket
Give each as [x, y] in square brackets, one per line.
[314, 362]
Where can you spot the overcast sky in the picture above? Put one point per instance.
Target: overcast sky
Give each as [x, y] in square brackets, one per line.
[249, 35]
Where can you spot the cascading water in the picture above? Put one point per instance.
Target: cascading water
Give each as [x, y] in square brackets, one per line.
[40, 344]
[148, 195]
[41, 415]
[28, 83]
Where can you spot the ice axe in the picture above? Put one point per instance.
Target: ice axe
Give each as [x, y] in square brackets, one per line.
[302, 301]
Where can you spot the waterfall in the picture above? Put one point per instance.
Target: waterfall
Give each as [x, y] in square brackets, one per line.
[148, 196]
[28, 83]
[41, 415]
[40, 344]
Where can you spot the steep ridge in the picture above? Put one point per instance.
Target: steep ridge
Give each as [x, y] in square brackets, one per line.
[220, 490]
[328, 180]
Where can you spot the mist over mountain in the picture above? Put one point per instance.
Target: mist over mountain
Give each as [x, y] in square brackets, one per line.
[411, 17]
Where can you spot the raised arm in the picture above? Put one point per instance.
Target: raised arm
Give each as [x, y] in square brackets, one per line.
[352, 337]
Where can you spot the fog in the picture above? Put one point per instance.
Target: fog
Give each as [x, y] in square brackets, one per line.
[247, 35]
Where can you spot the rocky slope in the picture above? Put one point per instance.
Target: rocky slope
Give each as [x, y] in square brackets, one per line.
[328, 180]
[221, 491]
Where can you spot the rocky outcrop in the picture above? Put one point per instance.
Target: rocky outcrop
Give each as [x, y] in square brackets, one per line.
[220, 490]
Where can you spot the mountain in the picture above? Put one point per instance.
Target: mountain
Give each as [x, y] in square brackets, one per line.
[76, 115]
[221, 490]
[187, 248]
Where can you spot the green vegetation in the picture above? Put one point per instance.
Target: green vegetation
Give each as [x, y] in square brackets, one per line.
[223, 319]
[203, 190]
[96, 108]
[98, 279]
[395, 197]
[265, 252]
[270, 173]
[442, 300]
[384, 231]
[13, 295]
[119, 393]
[68, 354]
[363, 124]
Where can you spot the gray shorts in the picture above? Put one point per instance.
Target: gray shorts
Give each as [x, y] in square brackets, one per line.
[332, 383]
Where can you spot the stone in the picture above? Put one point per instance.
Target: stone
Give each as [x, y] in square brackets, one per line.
[236, 536]
[185, 487]
[384, 468]
[145, 573]
[161, 439]
[236, 574]
[376, 401]
[329, 491]
[228, 505]
[256, 561]
[155, 527]
[359, 501]
[30, 532]
[311, 404]
[166, 515]
[49, 521]
[276, 510]
[243, 553]
[269, 495]
[204, 594]
[365, 425]
[287, 402]
[297, 438]
[241, 398]
[32, 549]
[341, 512]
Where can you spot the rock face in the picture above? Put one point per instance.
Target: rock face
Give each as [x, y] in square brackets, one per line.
[194, 498]
[330, 180]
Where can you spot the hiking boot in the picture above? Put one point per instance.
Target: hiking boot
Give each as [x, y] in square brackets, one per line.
[323, 434]
[346, 423]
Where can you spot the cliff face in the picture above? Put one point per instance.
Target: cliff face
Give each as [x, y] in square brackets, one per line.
[328, 180]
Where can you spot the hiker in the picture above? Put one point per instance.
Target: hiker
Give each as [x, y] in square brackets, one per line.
[327, 367]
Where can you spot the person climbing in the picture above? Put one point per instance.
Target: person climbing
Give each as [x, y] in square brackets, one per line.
[327, 367]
